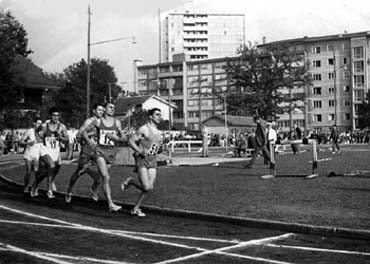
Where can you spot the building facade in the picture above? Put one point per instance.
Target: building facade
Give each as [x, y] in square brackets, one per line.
[339, 66]
[200, 35]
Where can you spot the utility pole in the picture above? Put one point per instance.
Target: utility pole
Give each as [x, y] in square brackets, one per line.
[88, 66]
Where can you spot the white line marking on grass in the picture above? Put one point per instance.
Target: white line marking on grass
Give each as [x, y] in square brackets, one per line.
[321, 250]
[33, 254]
[253, 242]
[122, 231]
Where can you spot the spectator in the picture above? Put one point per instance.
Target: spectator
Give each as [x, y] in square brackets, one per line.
[334, 137]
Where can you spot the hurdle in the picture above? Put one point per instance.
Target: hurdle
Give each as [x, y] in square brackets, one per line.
[274, 174]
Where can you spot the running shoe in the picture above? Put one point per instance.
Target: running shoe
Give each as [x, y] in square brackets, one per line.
[34, 192]
[68, 197]
[137, 212]
[94, 194]
[125, 184]
[50, 194]
[114, 208]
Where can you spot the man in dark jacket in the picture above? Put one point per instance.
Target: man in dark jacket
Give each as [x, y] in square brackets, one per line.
[261, 141]
[334, 136]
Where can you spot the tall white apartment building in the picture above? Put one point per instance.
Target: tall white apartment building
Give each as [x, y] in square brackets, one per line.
[200, 35]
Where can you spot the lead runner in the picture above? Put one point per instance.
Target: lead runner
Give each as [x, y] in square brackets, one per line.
[146, 143]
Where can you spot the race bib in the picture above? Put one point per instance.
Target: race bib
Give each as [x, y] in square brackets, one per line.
[153, 150]
[104, 139]
[52, 142]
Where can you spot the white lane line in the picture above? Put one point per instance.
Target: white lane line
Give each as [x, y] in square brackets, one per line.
[123, 231]
[338, 251]
[240, 245]
[121, 234]
[33, 254]
[104, 231]
[79, 258]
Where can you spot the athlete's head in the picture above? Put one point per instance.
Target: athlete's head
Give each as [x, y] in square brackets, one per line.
[109, 108]
[54, 113]
[98, 110]
[155, 115]
[37, 122]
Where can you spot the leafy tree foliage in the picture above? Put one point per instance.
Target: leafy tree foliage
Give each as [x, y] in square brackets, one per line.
[13, 42]
[258, 77]
[364, 113]
[71, 100]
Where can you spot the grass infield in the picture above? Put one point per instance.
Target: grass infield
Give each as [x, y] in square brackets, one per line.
[229, 189]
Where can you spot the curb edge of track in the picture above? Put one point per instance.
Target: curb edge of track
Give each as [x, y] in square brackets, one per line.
[243, 221]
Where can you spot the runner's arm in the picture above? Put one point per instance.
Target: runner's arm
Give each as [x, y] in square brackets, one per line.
[140, 133]
[83, 131]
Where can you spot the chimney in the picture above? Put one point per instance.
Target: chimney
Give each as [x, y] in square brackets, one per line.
[264, 40]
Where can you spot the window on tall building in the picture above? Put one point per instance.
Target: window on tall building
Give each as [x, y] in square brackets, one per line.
[317, 50]
[346, 88]
[193, 114]
[331, 117]
[331, 103]
[316, 63]
[331, 90]
[330, 47]
[207, 113]
[193, 102]
[344, 60]
[317, 104]
[347, 103]
[317, 90]
[347, 116]
[358, 95]
[358, 66]
[358, 52]
[330, 62]
[317, 118]
[331, 75]
[317, 77]
[359, 80]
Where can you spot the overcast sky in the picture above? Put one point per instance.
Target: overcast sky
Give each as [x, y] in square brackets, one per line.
[57, 29]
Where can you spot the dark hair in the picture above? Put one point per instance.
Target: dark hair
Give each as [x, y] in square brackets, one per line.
[152, 111]
[96, 105]
[53, 110]
[37, 119]
[107, 103]
[255, 118]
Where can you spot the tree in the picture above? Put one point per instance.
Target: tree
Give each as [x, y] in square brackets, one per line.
[259, 75]
[13, 42]
[71, 100]
[364, 113]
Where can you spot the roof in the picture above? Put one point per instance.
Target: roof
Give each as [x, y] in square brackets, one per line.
[306, 39]
[32, 76]
[126, 103]
[245, 121]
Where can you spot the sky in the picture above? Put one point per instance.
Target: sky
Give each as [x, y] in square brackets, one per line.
[57, 29]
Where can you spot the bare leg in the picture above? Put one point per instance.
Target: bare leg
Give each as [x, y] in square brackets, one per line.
[103, 169]
[147, 179]
[28, 165]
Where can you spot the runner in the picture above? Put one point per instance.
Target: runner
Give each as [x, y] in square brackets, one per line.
[109, 132]
[88, 153]
[53, 133]
[146, 143]
[33, 142]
